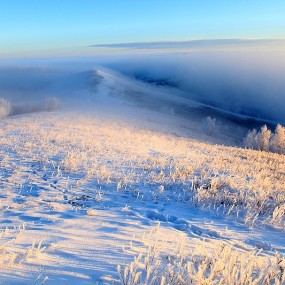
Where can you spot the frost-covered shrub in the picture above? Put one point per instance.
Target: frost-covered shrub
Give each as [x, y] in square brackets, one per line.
[251, 141]
[51, 103]
[277, 143]
[5, 108]
[265, 140]
[211, 126]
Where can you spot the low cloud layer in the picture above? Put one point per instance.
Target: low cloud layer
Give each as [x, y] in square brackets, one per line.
[248, 83]
[221, 44]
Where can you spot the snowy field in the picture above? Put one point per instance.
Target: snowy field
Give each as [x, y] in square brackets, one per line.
[122, 192]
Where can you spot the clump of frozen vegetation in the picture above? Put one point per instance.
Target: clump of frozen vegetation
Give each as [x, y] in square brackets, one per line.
[51, 103]
[12, 253]
[5, 108]
[174, 264]
[277, 142]
[266, 140]
[211, 126]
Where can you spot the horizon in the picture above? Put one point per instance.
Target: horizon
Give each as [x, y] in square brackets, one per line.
[157, 47]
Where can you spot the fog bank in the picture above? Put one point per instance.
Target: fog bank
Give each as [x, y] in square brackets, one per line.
[248, 83]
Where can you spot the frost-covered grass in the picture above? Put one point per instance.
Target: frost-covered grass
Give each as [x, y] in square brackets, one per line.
[86, 183]
[173, 263]
[13, 253]
[245, 183]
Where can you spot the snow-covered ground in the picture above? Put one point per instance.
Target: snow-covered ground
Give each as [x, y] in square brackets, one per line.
[112, 193]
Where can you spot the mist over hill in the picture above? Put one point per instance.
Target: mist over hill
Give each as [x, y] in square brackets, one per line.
[247, 83]
[244, 83]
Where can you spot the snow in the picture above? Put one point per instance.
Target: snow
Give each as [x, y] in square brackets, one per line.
[86, 190]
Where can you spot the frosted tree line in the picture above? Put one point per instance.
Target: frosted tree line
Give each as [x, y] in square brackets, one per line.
[266, 140]
[49, 104]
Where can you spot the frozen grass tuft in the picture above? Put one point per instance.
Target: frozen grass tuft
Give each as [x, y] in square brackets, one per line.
[173, 264]
[13, 253]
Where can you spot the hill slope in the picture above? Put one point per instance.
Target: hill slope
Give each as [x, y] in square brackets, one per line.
[83, 192]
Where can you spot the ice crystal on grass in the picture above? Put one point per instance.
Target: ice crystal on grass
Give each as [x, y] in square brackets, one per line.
[175, 265]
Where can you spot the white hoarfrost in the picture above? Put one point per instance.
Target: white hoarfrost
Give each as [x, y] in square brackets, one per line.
[278, 140]
[266, 140]
[89, 199]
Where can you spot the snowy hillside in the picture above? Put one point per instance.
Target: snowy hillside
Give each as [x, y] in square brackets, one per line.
[125, 184]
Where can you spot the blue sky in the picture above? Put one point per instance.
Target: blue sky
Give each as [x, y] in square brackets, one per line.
[59, 27]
